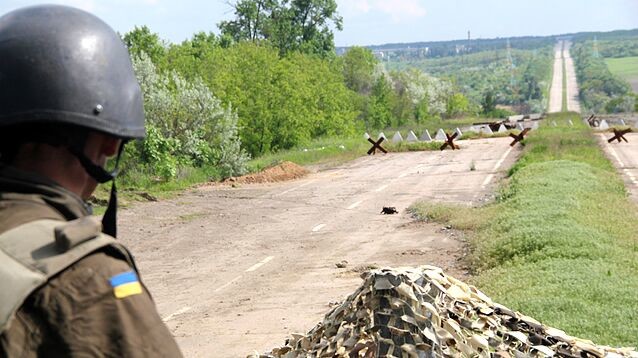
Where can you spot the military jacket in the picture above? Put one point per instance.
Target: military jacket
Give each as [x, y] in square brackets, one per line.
[97, 307]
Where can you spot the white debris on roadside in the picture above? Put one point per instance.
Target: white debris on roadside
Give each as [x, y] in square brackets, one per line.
[422, 312]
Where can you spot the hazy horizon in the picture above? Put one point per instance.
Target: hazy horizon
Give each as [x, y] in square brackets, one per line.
[378, 22]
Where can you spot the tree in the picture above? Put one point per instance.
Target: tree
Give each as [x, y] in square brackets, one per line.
[358, 65]
[380, 105]
[488, 103]
[252, 19]
[290, 25]
[457, 105]
[142, 40]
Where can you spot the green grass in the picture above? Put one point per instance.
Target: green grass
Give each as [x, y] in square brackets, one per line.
[561, 241]
[625, 68]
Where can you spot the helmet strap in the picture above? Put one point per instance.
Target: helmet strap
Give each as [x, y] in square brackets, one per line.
[109, 220]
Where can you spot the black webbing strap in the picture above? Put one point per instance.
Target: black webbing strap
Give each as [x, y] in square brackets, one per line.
[109, 220]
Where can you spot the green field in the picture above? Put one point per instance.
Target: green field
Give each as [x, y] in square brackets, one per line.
[625, 68]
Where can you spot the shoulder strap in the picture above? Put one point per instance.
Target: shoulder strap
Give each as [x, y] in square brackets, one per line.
[33, 253]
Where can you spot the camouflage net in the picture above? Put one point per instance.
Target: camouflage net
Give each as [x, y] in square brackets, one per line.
[421, 312]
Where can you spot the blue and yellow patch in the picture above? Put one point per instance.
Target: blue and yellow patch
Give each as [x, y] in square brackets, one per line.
[126, 284]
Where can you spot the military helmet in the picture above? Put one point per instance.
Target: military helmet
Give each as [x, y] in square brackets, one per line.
[61, 65]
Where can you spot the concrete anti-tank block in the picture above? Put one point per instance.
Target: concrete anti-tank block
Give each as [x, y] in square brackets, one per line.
[486, 130]
[425, 136]
[502, 129]
[397, 138]
[603, 125]
[412, 137]
[440, 135]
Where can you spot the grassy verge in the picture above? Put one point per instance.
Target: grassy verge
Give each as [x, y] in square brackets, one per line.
[561, 241]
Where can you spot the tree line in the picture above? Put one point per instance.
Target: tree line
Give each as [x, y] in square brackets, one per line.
[219, 100]
[600, 90]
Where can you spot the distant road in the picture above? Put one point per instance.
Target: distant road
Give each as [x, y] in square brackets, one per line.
[562, 56]
[556, 91]
[573, 105]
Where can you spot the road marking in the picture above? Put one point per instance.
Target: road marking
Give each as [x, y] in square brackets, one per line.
[613, 152]
[260, 264]
[500, 161]
[295, 188]
[381, 188]
[318, 227]
[176, 313]
[498, 164]
[227, 284]
[355, 205]
[487, 180]
[620, 162]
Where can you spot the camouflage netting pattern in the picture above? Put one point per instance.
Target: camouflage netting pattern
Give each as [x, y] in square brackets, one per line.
[421, 312]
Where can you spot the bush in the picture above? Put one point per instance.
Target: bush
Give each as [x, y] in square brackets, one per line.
[186, 124]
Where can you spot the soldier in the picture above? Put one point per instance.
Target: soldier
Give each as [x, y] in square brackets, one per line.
[68, 101]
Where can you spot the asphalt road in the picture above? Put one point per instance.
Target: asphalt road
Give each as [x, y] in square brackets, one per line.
[234, 270]
[561, 52]
[625, 158]
[556, 90]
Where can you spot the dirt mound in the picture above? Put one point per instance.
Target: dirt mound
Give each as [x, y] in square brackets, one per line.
[421, 312]
[280, 172]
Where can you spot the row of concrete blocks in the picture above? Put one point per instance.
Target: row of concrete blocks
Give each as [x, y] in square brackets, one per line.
[440, 134]
[604, 125]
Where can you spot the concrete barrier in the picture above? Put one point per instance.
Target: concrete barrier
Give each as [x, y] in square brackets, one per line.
[412, 137]
[397, 138]
[603, 125]
[459, 133]
[502, 129]
[425, 136]
[486, 130]
[440, 135]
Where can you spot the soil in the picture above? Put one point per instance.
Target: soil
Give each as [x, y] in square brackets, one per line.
[234, 270]
[280, 172]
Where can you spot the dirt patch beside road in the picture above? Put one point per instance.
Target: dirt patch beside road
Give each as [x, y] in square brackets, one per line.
[280, 172]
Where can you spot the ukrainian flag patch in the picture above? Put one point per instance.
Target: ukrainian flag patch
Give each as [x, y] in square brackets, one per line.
[126, 284]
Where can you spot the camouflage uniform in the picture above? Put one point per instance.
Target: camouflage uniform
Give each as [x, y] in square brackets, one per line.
[76, 312]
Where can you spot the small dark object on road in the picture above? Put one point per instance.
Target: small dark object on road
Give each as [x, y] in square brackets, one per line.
[389, 210]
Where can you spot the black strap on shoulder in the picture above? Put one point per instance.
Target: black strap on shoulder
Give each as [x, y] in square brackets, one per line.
[109, 220]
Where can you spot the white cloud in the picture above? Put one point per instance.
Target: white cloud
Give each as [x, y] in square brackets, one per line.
[398, 10]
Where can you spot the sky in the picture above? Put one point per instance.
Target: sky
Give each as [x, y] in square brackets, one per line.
[373, 22]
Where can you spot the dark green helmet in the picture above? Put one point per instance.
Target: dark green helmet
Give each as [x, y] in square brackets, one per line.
[61, 65]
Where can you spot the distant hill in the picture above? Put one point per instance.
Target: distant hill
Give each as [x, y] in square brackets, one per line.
[434, 49]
